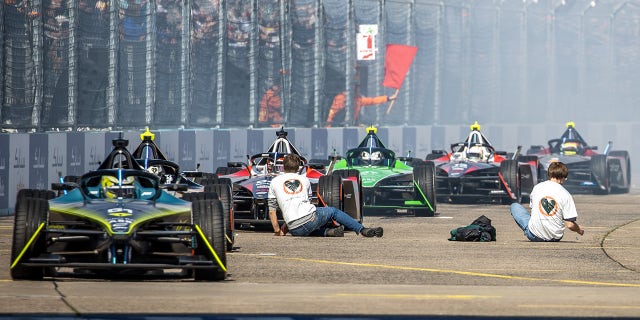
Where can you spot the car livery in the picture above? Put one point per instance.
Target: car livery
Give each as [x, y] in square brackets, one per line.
[473, 171]
[251, 183]
[116, 220]
[389, 184]
[589, 171]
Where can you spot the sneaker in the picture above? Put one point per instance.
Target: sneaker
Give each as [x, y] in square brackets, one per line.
[371, 232]
[335, 232]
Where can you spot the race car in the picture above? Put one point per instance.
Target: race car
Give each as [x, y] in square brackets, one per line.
[473, 171]
[390, 184]
[117, 220]
[251, 183]
[589, 171]
[200, 185]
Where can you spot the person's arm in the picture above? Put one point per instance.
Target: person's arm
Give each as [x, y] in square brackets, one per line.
[573, 226]
[273, 217]
[370, 101]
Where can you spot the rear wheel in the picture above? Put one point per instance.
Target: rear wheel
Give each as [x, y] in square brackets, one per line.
[29, 214]
[600, 171]
[224, 195]
[424, 177]
[208, 215]
[511, 180]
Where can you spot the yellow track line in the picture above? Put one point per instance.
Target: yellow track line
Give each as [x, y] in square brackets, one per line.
[465, 273]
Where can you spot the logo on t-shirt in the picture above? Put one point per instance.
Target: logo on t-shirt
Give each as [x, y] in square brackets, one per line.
[548, 206]
[292, 186]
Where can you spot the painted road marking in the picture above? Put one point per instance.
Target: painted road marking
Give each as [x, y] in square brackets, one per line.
[418, 296]
[449, 271]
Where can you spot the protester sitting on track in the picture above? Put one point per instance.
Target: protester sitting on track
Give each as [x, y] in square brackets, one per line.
[552, 208]
[290, 191]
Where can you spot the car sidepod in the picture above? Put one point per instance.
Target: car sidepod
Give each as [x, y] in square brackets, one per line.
[342, 190]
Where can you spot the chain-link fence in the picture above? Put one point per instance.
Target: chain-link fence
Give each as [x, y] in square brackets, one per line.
[105, 64]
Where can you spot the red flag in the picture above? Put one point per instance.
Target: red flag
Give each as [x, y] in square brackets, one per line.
[396, 64]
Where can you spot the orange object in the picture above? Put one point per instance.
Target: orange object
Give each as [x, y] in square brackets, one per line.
[270, 106]
[339, 103]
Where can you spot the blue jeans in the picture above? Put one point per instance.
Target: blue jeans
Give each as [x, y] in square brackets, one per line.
[317, 226]
[522, 217]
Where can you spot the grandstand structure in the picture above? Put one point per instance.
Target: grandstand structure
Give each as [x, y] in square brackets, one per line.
[84, 65]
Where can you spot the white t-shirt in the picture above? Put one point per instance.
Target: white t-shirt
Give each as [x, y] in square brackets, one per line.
[550, 204]
[292, 193]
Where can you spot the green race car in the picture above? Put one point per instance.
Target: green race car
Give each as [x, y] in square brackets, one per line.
[117, 220]
[389, 184]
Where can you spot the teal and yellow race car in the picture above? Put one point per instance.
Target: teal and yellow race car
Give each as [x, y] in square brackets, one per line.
[117, 220]
[390, 184]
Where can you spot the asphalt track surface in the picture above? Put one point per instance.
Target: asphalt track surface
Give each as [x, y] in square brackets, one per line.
[413, 272]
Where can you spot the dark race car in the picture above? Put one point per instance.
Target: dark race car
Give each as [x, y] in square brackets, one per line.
[200, 185]
[117, 220]
[473, 171]
[389, 184]
[589, 171]
[251, 183]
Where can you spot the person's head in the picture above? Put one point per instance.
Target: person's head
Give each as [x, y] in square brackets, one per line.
[558, 170]
[292, 163]
[275, 87]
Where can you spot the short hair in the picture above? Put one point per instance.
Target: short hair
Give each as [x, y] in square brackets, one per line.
[292, 162]
[557, 170]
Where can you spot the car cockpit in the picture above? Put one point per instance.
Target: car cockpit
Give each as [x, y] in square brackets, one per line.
[271, 162]
[120, 158]
[475, 148]
[570, 143]
[370, 152]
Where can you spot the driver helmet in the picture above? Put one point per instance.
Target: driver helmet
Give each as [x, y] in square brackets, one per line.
[569, 148]
[476, 153]
[373, 156]
[112, 189]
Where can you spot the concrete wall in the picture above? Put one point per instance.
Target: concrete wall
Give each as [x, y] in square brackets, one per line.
[36, 160]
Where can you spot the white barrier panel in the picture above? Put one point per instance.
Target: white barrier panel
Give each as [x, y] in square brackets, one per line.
[36, 160]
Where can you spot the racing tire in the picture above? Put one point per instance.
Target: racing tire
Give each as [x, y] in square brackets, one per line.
[29, 214]
[600, 172]
[35, 193]
[625, 179]
[195, 196]
[416, 162]
[511, 180]
[330, 190]
[223, 191]
[424, 176]
[209, 216]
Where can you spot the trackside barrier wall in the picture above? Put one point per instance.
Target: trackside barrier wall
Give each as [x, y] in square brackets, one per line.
[35, 160]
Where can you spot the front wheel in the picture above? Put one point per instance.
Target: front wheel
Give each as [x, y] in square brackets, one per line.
[208, 215]
[30, 213]
[600, 172]
[424, 176]
[510, 180]
[330, 191]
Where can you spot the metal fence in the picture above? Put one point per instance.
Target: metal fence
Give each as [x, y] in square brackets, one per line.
[109, 64]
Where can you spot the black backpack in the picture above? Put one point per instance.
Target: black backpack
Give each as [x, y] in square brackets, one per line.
[479, 230]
